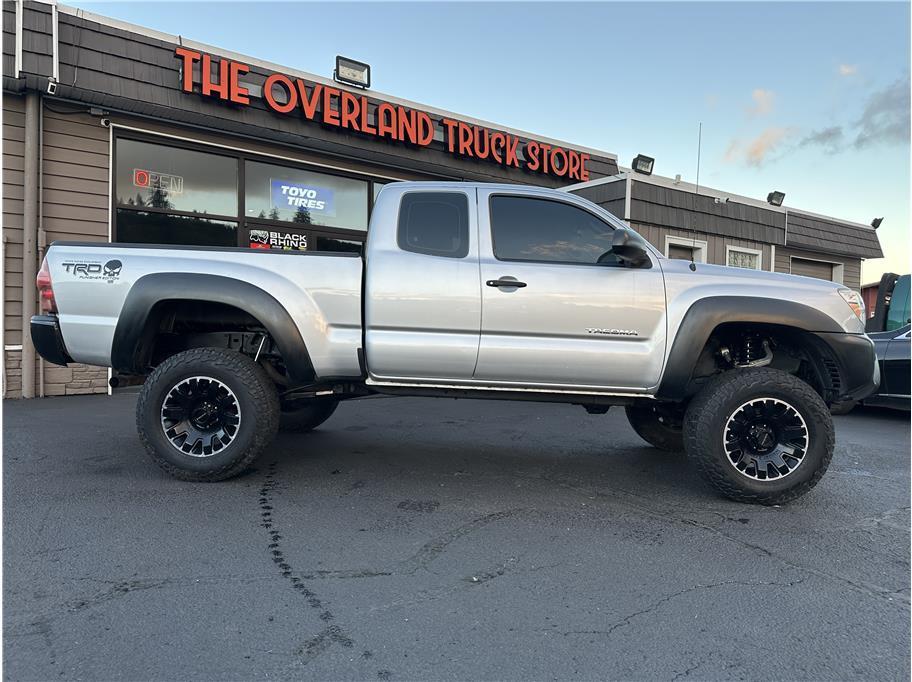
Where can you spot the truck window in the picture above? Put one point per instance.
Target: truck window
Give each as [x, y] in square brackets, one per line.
[434, 223]
[528, 229]
[899, 311]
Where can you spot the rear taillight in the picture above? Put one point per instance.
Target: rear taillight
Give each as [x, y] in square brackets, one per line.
[45, 289]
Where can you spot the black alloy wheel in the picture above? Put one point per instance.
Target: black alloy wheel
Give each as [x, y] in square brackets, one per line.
[759, 435]
[766, 439]
[200, 415]
[206, 414]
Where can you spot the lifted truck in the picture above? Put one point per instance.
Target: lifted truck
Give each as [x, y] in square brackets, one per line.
[466, 291]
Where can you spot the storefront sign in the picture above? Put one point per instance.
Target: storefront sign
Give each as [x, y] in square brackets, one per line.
[296, 196]
[269, 239]
[173, 184]
[342, 109]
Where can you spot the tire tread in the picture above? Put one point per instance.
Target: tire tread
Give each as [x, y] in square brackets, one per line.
[710, 401]
[262, 392]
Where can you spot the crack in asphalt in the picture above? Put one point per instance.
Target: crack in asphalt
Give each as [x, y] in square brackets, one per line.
[687, 671]
[434, 548]
[625, 621]
[868, 589]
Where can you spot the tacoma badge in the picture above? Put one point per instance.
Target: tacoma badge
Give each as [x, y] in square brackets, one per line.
[612, 332]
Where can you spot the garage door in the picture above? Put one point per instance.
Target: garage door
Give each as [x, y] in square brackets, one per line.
[812, 268]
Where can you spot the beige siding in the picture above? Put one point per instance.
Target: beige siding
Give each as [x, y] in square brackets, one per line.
[75, 206]
[715, 244]
[75, 169]
[13, 147]
[851, 274]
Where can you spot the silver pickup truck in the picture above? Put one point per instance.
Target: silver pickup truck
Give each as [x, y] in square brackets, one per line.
[466, 291]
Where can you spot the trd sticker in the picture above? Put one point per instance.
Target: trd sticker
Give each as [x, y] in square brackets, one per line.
[108, 272]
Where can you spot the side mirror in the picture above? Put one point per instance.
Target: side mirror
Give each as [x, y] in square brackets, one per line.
[629, 247]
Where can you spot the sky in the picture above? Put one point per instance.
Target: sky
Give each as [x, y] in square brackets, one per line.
[811, 99]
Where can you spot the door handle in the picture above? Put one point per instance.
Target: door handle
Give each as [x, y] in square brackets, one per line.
[505, 283]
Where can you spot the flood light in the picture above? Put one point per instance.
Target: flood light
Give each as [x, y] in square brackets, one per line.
[876, 222]
[775, 198]
[352, 72]
[643, 164]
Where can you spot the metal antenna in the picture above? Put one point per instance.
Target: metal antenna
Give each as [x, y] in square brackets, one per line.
[693, 246]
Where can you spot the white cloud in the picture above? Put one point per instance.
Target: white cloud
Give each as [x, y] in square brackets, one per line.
[763, 102]
[847, 69]
[757, 151]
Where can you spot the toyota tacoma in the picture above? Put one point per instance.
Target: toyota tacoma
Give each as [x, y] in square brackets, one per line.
[466, 290]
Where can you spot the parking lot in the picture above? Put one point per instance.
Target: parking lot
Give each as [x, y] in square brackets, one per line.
[441, 539]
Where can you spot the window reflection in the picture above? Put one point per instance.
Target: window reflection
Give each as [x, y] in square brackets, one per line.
[333, 244]
[174, 179]
[141, 227]
[299, 196]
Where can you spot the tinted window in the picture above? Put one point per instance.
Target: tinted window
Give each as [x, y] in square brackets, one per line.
[899, 311]
[526, 229]
[157, 228]
[156, 176]
[301, 196]
[434, 223]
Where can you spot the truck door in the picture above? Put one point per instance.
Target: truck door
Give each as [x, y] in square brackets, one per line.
[422, 304]
[559, 311]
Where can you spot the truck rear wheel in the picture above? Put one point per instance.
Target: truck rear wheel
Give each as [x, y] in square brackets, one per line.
[205, 414]
[304, 416]
[759, 435]
[658, 425]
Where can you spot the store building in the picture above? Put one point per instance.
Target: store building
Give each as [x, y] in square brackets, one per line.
[117, 132]
[710, 226]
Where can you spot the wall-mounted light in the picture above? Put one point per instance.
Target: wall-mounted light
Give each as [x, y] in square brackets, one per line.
[352, 72]
[643, 164]
[775, 198]
[720, 200]
[876, 222]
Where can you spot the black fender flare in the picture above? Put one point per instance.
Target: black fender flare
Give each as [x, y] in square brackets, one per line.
[131, 342]
[708, 313]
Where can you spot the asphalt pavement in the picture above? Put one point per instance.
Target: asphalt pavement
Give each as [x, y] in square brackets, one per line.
[434, 539]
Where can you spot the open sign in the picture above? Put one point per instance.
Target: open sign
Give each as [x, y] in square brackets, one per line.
[173, 184]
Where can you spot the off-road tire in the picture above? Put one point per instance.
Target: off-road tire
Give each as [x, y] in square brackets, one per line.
[308, 417]
[259, 413]
[710, 410]
[654, 427]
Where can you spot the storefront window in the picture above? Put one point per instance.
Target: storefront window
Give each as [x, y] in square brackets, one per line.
[333, 244]
[304, 197]
[168, 178]
[144, 227]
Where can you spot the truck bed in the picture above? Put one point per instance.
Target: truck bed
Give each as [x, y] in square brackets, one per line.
[321, 291]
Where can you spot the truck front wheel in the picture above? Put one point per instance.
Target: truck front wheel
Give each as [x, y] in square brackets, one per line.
[759, 435]
[205, 414]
